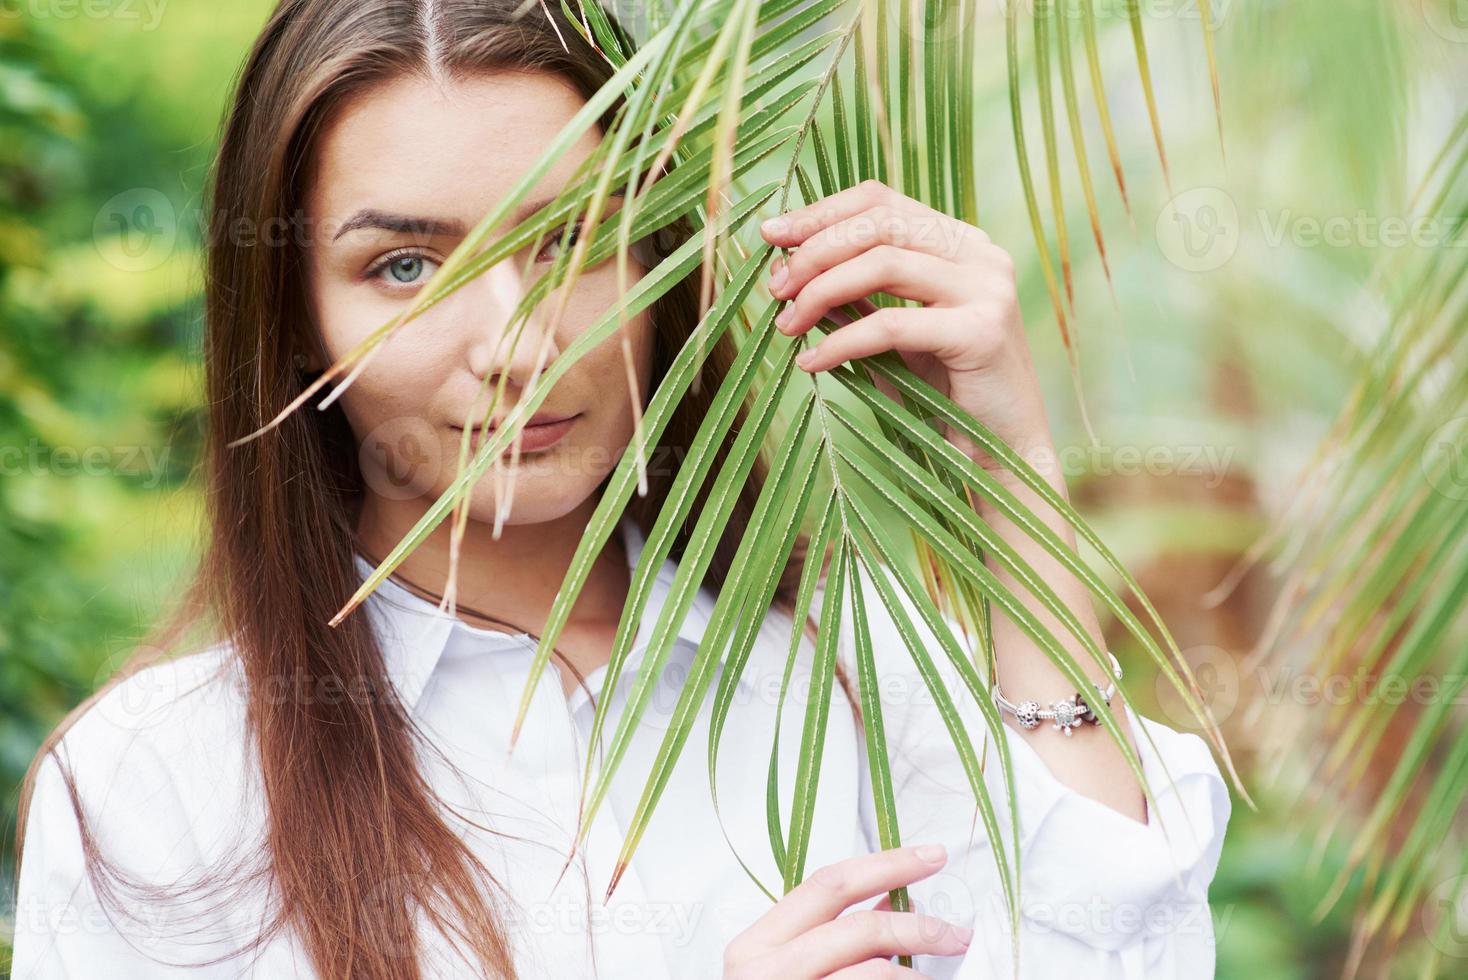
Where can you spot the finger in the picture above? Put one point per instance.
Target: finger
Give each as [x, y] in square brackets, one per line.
[859, 936]
[875, 970]
[883, 904]
[886, 268]
[793, 227]
[920, 229]
[889, 328]
[842, 318]
[832, 889]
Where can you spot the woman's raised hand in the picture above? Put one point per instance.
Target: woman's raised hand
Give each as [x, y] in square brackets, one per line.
[967, 338]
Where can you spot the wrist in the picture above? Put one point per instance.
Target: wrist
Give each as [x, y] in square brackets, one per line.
[1037, 452]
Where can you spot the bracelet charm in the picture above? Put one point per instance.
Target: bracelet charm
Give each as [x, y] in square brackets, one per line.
[1068, 714]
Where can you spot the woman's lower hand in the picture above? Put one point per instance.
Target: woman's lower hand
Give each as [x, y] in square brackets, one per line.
[805, 935]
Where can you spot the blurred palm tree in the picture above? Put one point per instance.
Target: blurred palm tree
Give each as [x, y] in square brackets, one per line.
[1375, 594]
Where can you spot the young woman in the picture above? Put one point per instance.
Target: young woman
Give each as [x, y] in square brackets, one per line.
[306, 800]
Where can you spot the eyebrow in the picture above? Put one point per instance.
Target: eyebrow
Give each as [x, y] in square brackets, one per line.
[428, 227]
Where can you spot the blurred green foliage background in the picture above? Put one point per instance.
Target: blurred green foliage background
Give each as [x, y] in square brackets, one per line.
[99, 339]
[1232, 338]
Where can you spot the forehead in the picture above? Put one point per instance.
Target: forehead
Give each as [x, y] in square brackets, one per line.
[448, 148]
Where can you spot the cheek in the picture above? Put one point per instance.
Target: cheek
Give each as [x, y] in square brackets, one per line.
[595, 294]
[643, 342]
[607, 373]
[394, 385]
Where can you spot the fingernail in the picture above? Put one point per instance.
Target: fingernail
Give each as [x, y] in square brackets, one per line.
[782, 319]
[805, 357]
[778, 278]
[932, 853]
[776, 226]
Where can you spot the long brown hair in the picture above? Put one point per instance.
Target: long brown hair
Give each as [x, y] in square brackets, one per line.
[345, 796]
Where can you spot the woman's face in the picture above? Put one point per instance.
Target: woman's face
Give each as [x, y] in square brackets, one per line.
[402, 173]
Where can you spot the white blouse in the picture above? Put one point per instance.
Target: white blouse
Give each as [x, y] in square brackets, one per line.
[170, 789]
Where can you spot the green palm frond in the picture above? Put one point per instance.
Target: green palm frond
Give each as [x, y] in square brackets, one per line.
[725, 110]
[1376, 585]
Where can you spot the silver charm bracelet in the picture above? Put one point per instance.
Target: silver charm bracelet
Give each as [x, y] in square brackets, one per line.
[1068, 714]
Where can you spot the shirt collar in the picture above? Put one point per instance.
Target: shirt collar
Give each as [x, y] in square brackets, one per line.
[414, 632]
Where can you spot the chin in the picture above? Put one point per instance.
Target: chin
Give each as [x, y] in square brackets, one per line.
[536, 497]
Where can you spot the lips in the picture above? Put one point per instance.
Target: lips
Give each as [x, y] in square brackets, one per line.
[542, 432]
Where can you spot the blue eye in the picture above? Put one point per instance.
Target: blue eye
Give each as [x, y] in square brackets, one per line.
[404, 269]
[553, 241]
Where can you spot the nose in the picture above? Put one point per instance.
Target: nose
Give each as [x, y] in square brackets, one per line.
[485, 307]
